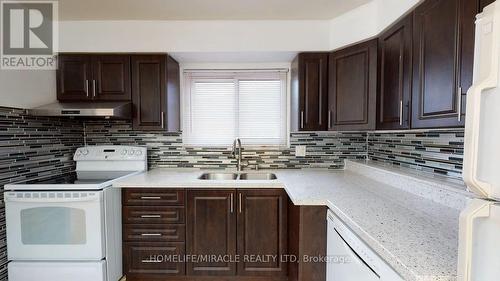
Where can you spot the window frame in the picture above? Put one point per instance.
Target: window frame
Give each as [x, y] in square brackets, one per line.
[192, 76]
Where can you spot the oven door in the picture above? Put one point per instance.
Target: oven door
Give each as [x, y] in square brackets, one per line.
[55, 225]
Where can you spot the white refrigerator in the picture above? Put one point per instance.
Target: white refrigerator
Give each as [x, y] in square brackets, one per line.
[479, 235]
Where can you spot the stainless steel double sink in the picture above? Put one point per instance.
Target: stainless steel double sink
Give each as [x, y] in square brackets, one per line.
[238, 176]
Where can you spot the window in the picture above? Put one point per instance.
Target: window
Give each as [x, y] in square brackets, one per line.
[220, 107]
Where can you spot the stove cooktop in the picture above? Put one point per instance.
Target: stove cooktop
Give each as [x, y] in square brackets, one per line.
[96, 180]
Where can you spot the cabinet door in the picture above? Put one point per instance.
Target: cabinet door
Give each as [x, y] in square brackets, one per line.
[353, 87]
[211, 230]
[74, 76]
[111, 77]
[437, 93]
[395, 76]
[262, 232]
[312, 91]
[148, 91]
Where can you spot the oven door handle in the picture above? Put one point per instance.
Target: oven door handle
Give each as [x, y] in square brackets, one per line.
[52, 200]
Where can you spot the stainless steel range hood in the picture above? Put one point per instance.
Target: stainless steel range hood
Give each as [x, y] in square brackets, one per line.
[118, 110]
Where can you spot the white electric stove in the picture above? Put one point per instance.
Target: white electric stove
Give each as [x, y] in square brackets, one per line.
[70, 228]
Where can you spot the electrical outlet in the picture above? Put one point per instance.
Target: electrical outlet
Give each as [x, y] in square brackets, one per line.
[300, 150]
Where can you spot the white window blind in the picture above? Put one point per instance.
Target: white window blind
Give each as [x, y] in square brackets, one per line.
[220, 107]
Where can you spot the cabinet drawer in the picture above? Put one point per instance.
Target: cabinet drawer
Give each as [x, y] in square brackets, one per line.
[153, 214]
[152, 196]
[153, 259]
[154, 232]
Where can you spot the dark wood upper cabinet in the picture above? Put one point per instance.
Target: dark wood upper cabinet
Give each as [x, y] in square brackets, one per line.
[85, 77]
[443, 38]
[353, 87]
[395, 67]
[262, 230]
[309, 92]
[111, 77]
[74, 76]
[211, 230]
[155, 92]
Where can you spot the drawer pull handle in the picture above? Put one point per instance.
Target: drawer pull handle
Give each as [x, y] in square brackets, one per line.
[150, 216]
[150, 234]
[150, 197]
[150, 261]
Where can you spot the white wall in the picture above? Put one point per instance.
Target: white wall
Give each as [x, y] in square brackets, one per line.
[391, 10]
[356, 25]
[27, 88]
[367, 21]
[193, 36]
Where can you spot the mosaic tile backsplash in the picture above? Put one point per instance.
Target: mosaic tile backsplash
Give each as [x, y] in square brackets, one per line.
[437, 151]
[33, 148]
[432, 151]
[324, 149]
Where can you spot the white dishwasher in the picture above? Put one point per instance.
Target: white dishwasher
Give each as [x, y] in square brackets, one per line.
[350, 259]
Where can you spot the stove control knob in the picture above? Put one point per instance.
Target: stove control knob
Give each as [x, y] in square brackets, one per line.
[138, 152]
[124, 152]
[131, 152]
[85, 151]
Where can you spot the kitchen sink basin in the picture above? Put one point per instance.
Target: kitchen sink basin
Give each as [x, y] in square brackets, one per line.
[218, 176]
[258, 176]
[234, 176]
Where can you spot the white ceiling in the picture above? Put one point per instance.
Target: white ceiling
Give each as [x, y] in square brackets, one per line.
[205, 9]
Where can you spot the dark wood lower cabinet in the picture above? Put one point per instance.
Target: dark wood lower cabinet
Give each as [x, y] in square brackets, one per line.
[151, 260]
[154, 233]
[220, 235]
[211, 231]
[307, 237]
[262, 232]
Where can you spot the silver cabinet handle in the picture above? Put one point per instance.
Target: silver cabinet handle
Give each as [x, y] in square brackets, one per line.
[231, 203]
[150, 234]
[87, 87]
[163, 120]
[240, 203]
[401, 113]
[302, 119]
[459, 109]
[329, 119]
[93, 88]
[150, 216]
[150, 197]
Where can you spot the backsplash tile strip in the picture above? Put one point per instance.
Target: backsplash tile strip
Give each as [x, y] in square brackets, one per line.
[324, 149]
[431, 151]
[33, 148]
[436, 151]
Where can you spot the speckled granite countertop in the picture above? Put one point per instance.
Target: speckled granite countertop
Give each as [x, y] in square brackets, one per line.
[409, 219]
